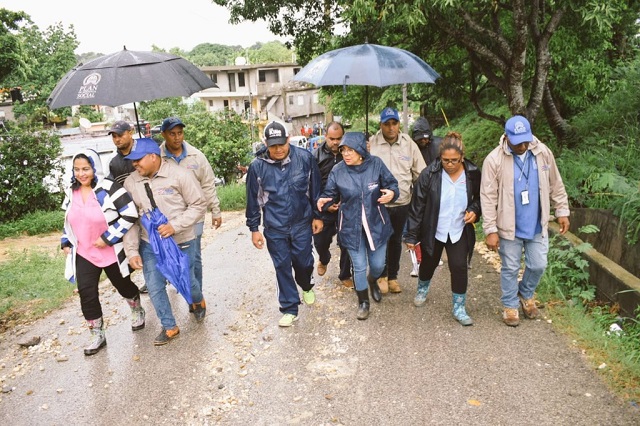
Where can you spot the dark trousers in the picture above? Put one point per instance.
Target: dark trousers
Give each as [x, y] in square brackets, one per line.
[291, 253]
[398, 217]
[456, 259]
[88, 278]
[322, 242]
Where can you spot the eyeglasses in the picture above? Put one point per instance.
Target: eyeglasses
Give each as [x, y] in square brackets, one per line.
[450, 160]
[347, 151]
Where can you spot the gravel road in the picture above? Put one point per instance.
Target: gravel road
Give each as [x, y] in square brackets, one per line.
[402, 366]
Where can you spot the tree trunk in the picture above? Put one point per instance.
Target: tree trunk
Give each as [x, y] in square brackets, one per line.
[565, 134]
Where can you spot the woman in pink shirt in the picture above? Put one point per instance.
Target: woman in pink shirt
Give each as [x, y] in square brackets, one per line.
[98, 212]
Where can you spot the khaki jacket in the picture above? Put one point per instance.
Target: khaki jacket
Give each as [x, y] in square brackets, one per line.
[497, 194]
[403, 159]
[178, 196]
[201, 168]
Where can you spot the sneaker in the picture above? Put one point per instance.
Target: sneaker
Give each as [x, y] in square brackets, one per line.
[383, 284]
[322, 268]
[200, 310]
[348, 283]
[529, 307]
[511, 317]
[394, 286]
[287, 320]
[166, 335]
[144, 289]
[309, 297]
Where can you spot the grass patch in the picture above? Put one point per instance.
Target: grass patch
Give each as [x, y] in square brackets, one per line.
[588, 328]
[233, 197]
[40, 222]
[33, 283]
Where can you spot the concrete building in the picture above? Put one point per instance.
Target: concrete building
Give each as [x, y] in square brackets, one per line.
[263, 92]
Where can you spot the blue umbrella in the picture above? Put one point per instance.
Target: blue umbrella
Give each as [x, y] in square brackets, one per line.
[367, 65]
[171, 261]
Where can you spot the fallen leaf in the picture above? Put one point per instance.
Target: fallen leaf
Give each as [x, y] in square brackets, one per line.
[474, 402]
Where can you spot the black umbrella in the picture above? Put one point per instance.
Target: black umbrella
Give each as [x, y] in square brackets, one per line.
[128, 76]
[367, 65]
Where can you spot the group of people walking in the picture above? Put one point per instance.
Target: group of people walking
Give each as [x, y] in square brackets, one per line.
[373, 194]
[102, 228]
[376, 194]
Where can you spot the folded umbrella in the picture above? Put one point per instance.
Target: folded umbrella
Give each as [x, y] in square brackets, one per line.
[171, 261]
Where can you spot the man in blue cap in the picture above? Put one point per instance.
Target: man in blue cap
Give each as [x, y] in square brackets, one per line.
[180, 198]
[520, 183]
[176, 149]
[403, 158]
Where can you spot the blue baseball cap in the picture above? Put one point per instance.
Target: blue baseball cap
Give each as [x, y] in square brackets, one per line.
[518, 130]
[142, 147]
[389, 114]
[170, 123]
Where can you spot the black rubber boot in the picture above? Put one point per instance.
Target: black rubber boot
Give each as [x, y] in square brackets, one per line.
[376, 295]
[363, 304]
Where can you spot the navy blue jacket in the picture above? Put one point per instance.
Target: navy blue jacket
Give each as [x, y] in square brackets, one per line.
[357, 187]
[286, 191]
[425, 206]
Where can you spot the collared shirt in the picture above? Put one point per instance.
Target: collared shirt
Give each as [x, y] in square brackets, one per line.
[453, 204]
[525, 179]
[178, 158]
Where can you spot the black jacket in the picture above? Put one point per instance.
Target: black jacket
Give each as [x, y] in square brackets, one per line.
[425, 205]
[326, 160]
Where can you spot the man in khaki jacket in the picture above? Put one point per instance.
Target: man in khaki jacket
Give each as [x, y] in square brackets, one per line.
[180, 198]
[520, 182]
[175, 148]
[403, 158]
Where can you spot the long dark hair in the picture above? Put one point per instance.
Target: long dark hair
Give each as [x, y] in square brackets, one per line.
[74, 182]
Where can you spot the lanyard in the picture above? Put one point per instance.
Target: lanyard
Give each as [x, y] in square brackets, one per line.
[522, 173]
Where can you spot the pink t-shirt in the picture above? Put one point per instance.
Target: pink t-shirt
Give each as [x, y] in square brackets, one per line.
[88, 224]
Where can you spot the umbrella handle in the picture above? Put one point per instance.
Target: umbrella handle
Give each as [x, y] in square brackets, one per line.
[147, 188]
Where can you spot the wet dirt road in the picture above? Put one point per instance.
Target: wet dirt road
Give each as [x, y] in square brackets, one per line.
[402, 366]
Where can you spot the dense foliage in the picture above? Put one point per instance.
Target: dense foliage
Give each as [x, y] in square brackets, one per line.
[27, 160]
[222, 136]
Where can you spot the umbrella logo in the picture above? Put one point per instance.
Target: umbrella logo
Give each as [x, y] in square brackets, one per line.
[89, 86]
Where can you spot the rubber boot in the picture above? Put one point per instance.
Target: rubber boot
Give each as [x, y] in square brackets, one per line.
[376, 295]
[200, 310]
[137, 313]
[363, 304]
[421, 293]
[98, 341]
[459, 311]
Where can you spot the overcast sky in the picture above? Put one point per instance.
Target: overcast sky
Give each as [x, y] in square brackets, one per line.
[107, 26]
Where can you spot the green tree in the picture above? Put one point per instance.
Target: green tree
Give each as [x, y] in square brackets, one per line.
[29, 160]
[271, 52]
[222, 136]
[485, 49]
[50, 56]
[12, 57]
[211, 54]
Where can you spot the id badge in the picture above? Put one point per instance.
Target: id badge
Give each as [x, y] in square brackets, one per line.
[525, 197]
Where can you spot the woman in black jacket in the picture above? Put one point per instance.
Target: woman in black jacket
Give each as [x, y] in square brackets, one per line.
[444, 207]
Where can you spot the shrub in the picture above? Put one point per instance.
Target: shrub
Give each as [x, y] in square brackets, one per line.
[27, 160]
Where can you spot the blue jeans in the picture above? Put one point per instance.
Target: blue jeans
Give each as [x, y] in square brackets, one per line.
[291, 252]
[199, 229]
[535, 260]
[359, 259]
[156, 282]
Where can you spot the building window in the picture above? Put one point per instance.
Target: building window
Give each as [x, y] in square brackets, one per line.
[240, 79]
[300, 100]
[315, 98]
[268, 76]
[296, 71]
[232, 82]
[290, 99]
[210, 102]
[226, 104]
[214, 77]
